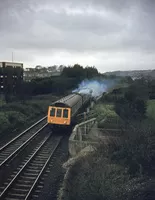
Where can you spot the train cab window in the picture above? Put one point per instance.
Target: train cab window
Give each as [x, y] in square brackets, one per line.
[52, 112]
[65, 113]
[59, 111]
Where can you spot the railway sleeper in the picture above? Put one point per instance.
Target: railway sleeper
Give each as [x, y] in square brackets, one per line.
[35, 196]
[37, 191]
[20, 190]
[40, 157]
[27, 178]
[8, 181]
[29, 174]
[45, 152]
[12, 195]
[13, 175]
[19, 168]
[48, 170]
[3, 155]
[23, 185]
[39, 164]
[1, 189]
[40, 186]
[7, 151]
[32, 170]
[9, 198]
[41, 183]
[40, 161]
[45, 175]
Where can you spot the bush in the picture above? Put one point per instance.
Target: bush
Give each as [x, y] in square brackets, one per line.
[131, 110]
[151, 109]
[102, 111]
[95, 176]
[16, 118]
[106, 116]
[17, 115]
[137, 149]
[4, 121]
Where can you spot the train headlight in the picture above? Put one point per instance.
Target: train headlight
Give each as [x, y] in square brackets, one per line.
[65, 122]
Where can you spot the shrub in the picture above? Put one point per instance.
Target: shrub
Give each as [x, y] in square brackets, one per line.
[4, 121]
[151, 109]
[16, 118]
[137, 149]
[96, 177]
[17, 115]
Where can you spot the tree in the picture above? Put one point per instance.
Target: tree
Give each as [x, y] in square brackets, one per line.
[90, 72]
[76, 71]
[133, 105]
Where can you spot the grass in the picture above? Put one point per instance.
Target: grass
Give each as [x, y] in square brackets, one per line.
[2, 102]
[151, 109]
[106, 116]
[101, 111]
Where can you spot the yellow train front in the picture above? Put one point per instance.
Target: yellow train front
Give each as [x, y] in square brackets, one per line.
[62, 112]
[59, 115]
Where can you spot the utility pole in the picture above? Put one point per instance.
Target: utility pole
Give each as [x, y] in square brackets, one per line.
[12, 56]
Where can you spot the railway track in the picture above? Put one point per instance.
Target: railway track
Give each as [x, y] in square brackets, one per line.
[24, 182]
[26, 160]
[7, 137]
[10, 149]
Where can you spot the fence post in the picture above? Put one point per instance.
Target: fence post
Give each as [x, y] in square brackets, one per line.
[85, 131]
[80, 133]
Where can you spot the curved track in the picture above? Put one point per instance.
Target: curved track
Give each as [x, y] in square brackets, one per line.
[15, 145]
[25, 181]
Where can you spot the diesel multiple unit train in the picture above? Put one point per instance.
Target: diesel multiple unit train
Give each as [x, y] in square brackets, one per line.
[62, 112]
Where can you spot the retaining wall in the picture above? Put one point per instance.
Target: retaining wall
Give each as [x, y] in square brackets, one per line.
[77, 140]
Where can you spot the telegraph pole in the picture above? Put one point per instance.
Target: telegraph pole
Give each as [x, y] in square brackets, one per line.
[12, 56]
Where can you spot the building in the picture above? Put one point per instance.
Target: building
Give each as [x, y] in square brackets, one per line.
[11, 76]
[40, 72]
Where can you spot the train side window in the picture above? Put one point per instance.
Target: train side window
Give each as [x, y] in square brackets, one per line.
[65, 113]
[59, 111]
[52, 112]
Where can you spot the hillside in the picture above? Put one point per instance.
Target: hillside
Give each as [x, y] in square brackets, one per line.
[133, 74]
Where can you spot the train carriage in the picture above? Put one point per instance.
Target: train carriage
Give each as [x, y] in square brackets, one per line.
[63, 111]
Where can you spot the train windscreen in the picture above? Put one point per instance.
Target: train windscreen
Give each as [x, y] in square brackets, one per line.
[52, 112]
[59, 111]
[65, 113]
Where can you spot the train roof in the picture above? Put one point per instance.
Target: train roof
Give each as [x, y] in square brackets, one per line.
[68, 101]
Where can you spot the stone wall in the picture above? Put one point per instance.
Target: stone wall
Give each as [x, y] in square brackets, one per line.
[78, 139]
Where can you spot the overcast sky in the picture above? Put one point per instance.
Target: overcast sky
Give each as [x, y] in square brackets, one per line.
[109, 34]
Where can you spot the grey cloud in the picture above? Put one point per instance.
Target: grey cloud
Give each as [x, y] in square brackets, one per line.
[81, 22]
[119, 5]
[31, 26]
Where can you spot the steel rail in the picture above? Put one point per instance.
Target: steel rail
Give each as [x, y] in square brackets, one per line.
[41, 172]
[21, 146]
[26, 166]
[3, 147]
[16, 176]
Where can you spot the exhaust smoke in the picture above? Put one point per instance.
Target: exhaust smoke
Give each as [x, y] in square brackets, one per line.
[97, 87]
